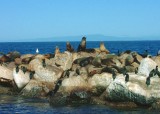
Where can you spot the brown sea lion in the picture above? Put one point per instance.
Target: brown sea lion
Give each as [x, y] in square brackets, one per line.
[82, 45]
[69, 47]
[57, 51]
[4, 59]
[103, 48]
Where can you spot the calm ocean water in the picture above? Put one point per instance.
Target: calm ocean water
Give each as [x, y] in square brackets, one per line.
[49, 47]
[15, 104]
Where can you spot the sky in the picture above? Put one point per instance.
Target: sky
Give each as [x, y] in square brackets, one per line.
[27, 19]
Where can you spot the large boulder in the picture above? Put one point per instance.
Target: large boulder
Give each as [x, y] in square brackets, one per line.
[157, 60]
[48, 73]
[146, 66]
[63, 60]
[99, 82]
[21, 79]
[135, 90]
[36, 89]
[74, 83]
[6, 73]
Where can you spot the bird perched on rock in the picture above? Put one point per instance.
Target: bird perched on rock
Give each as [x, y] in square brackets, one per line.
[113, 74]
[127, 77]
[136, 70]
[148, 81]
[157, 72]
[31, 74]
[24, 69]
[145, 54]
[17, 69]
[124, 71]
[43, 63]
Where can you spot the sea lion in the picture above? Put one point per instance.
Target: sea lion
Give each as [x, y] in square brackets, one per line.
[57, 51]
[148, 81]
[103, 48]
[69, 47]
[127, 77]
[90, 50]
[43, 63]
[107, 69]
[97, 62]
[82, 45]
[49, 56]
[108, 62]
[17, 69]
[4, 59]
[86, 61]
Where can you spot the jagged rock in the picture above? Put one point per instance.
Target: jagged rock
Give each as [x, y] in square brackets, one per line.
[6, 73]
[48, 73]
[36, 89]
[74, 83]
[99, 82]
[135, 90]
[26, 56]
[20, 78]
[146, 66]
[11, 65]
[63, 60]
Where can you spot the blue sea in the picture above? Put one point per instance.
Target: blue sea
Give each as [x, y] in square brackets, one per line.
[49, 47]
[15, 104]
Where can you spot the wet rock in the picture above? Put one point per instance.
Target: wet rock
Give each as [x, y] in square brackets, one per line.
[48, 73]
[36, 89]
[146, 66]
[99, 82]
[135, 90]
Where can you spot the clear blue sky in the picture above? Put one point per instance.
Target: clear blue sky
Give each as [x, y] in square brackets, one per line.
[22, 19]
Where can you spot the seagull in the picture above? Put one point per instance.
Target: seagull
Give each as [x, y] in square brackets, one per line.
[37, 51]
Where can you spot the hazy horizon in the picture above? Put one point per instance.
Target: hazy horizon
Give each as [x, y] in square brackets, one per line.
[38, 20]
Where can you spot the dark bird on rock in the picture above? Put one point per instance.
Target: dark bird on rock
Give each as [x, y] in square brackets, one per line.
[148, 81]
[136, 70]
[107, 69]
[17, 69]
[157, 72]
[113, 74]
[43, 63]
[31, 74]
[24, 69]
[152, 73]
[127, 77]
[124, 71]
[145, 54]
